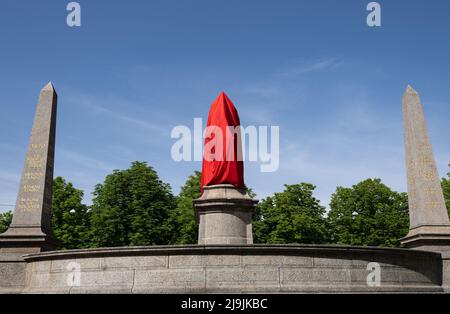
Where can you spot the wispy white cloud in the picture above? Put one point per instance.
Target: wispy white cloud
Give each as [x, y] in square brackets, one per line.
[9, 183]
[108, 108]
[78, 159]
[305, 67]
[267, 91]
[145, 125]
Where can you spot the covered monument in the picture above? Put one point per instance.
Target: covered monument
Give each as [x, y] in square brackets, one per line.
[225, 260]
[224, 210]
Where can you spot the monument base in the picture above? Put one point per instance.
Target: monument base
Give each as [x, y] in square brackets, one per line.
[427, 231]
[433, 239]
[232, 269]
[15, 243]
[428, 238]
[27, 240]
[224, 214]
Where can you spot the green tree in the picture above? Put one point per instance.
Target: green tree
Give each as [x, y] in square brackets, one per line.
[184, 215]
[446, 190]
[70, 218]
[369, 213]
[5, 221]
[132, 207]
[292, 216]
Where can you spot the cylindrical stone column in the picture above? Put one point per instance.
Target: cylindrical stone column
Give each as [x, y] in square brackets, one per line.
[224, 214]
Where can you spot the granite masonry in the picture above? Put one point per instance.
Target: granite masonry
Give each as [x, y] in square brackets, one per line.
[233, 269]
[224, 214]
[225, 260]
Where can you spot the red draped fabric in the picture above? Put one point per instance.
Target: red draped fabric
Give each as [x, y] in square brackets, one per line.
[222, 158]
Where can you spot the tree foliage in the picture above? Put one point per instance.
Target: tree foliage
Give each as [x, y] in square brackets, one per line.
[184, 218]
[70, 218]
[5, 220]
[292, 216]
[369, 213]
[132, 207]
[446, 190]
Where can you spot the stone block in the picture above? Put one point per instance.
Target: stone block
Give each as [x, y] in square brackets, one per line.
[169, 277]
[246, 274]
[41, 267]
[332, 262]
[46, 281]
[188, 261]
[183, 261]
[304, 275]
[387, 277]
[12, 275]
[135, 262]
[222, 260]
[306, 261]
[109, 278]
[84, 264]
[272, 260]
[242, 287]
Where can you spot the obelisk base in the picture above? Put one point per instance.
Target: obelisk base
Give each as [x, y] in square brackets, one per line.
[224, 214]
[14, 244]
[426, 235]
[434, 239]
[27, 240]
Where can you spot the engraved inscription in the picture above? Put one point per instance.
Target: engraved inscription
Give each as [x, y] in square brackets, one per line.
[34, 175]
[31, 188]
[38, 146]
[28, 204]
[433, 205]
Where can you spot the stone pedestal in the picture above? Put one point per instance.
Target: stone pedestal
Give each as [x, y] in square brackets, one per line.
[14, 244]
[224, 214]
[433, 241]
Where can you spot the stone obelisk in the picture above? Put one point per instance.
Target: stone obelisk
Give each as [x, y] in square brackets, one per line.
[31, 230]
[429, 221]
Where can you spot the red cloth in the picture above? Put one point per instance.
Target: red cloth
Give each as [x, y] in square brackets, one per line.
[222, 170]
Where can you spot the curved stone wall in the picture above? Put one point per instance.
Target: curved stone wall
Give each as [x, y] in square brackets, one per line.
[239, 269]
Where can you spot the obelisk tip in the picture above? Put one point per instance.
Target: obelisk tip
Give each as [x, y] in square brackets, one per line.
[410, 90]
[49, 87]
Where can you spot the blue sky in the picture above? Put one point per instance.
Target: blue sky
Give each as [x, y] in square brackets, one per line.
[135, 69]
